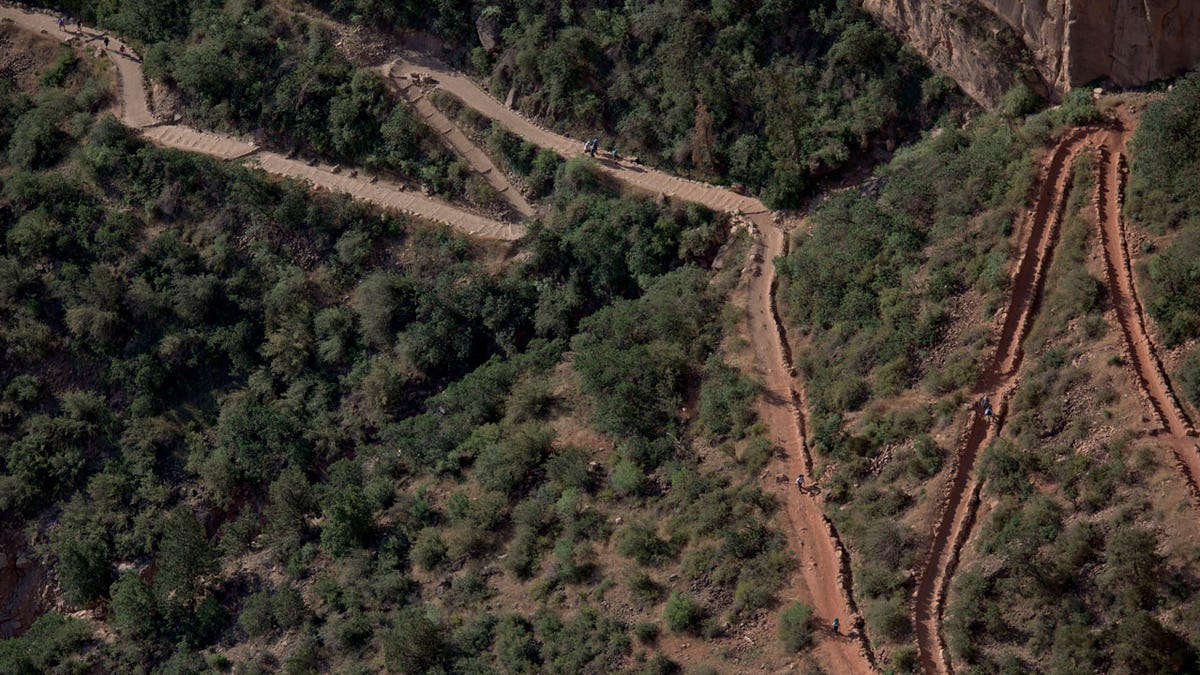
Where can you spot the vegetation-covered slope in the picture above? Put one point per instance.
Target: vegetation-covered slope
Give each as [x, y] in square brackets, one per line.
[246, 415]
[893, 290]
[771, 95]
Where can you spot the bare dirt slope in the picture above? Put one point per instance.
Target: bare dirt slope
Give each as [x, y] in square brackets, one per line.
[999, 379]
[136, 113]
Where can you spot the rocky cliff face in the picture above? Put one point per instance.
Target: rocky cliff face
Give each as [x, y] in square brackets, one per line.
[988, 45]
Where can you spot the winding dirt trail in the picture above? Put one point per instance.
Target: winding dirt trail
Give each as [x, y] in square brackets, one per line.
[1148, 370]
[643, 178]
[824, 563]
[960, 495]
[135, 113]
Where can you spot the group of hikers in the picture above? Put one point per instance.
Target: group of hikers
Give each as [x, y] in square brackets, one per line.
[63, 21]
[593, 145]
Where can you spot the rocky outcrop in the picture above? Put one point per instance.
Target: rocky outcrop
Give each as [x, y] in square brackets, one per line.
[989, 45]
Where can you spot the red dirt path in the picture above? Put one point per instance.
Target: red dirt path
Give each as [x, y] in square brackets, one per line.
[961, 492]
[1176, 428]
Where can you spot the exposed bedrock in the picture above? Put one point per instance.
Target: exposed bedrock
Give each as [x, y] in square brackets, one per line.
[988, 45]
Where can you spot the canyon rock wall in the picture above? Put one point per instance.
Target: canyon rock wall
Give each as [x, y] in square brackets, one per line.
[988, 45]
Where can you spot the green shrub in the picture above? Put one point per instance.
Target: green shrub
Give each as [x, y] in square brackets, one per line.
[50, 645]
[889, 619]
[795, 630]
[1189, 376]
[641, 542]
[428, 551]
[256, 618]
[1020, 101]
[627, 479]
[1143, 645]
[510, 465]
[682, 613]
[133, 606]
[726, 400]
[1163, 168]
[36, 140]
[646, 632]
[288, 608]
[347, 520]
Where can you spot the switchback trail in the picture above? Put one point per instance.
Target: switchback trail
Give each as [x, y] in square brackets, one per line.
[643, 178]
[458, 141]
[136, 114]
[824, 564]
[1147, 368]
[960, 495]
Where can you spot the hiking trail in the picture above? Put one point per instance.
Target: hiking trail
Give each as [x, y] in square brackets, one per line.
[135, 113]
[458, 141]
[960, 495]
[1176, 428]
[824, 563]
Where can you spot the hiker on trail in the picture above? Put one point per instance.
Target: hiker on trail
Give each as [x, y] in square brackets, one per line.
[983, 402]
[62, 21]
[106, 42]
[616, 155]
[122, 50]
[987, 412]
[835, 625]
[800, 482]
[595, 146]
[79, 26]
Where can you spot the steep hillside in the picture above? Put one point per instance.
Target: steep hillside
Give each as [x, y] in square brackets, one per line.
[776, 96]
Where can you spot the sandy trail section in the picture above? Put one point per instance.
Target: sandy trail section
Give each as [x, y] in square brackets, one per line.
[458, 141]
[960, 495]
[1176, 429]
[136, 113]
[639, 177]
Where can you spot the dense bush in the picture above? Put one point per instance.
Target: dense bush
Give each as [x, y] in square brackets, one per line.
[206, 371]
[682, 613]
[1164, 171]
[794, 628]
[1162, 196]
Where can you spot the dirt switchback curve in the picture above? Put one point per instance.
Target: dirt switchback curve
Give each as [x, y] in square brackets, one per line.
[458, 141]
[1147, 368]
[961, 492]
[135, 112]
[643, 178]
